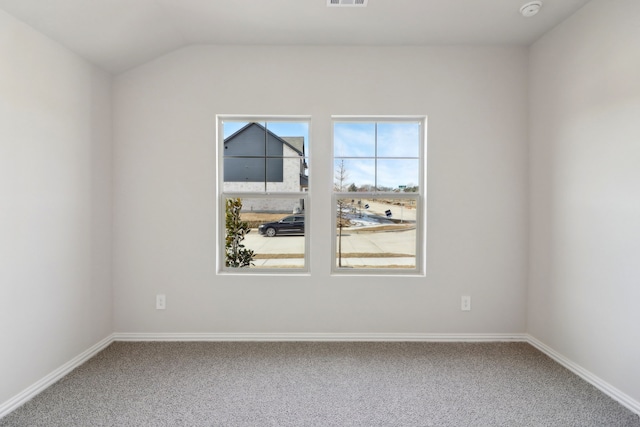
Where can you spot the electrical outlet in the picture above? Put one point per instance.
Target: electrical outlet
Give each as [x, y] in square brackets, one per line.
[465, 303]
[161, 302]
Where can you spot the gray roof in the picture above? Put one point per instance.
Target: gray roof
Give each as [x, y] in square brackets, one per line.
[297, 143]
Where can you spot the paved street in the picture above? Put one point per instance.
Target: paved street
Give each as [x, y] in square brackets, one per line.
[359, 247]
[387, 242]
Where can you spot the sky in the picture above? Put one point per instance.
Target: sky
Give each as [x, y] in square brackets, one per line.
[386, 154]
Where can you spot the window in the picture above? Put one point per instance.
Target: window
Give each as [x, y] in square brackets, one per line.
[263, 181]
[378, 196]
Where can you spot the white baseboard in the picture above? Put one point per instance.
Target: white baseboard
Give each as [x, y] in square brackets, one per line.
[36, 388]
[329, 337]
[592, 379]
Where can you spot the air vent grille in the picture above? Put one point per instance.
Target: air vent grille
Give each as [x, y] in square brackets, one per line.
[347, 3]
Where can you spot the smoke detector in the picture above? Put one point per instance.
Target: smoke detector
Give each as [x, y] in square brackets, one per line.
[531, 8]
[347, 3]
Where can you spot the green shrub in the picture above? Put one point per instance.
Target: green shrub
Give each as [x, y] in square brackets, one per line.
[236, 255]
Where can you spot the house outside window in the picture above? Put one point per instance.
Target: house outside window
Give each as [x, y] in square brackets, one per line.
[263, 163]
[379, 192]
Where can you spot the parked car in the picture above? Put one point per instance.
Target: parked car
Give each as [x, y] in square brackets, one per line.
[293, 224]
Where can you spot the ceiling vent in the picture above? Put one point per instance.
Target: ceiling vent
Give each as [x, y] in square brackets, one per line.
[347, 3]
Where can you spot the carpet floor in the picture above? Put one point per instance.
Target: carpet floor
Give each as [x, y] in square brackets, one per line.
[321, 384]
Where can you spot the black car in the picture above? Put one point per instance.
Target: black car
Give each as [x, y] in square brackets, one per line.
[288, 225]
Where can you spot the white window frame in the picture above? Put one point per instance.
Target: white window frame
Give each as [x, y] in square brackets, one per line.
[221, 196]
[420, 197]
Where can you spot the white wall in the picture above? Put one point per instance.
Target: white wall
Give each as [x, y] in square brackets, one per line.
[55, 206]
[585, 191]
[164, 196]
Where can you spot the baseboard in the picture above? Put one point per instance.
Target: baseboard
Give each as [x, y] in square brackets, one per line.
[36, 388]
[592, 379]
[329, 337]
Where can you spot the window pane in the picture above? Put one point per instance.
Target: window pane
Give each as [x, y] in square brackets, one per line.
[376, 233]
[295, 135]
[397, 174]
[276, 234]
[231, 127]
[249, 140]
[399, 140]
[261, 156]
[354, 139]
[244, 169]
[354, 175]
[287, 175]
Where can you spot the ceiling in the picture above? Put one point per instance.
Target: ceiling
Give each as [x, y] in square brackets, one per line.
[121, 34]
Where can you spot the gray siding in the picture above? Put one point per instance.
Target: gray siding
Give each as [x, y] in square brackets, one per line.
[252, 169]
[246, 156]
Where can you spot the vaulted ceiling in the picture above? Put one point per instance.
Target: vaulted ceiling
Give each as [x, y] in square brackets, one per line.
[121, 34]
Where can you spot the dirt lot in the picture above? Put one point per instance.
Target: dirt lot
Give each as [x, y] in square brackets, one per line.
[256, 218]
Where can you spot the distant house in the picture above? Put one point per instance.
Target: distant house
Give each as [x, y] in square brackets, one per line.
[258, 160]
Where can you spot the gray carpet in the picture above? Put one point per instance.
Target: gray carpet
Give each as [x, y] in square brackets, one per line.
[321, 384]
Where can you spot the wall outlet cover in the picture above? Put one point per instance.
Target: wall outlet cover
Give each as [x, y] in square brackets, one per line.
[161, 302]
[465, 303]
